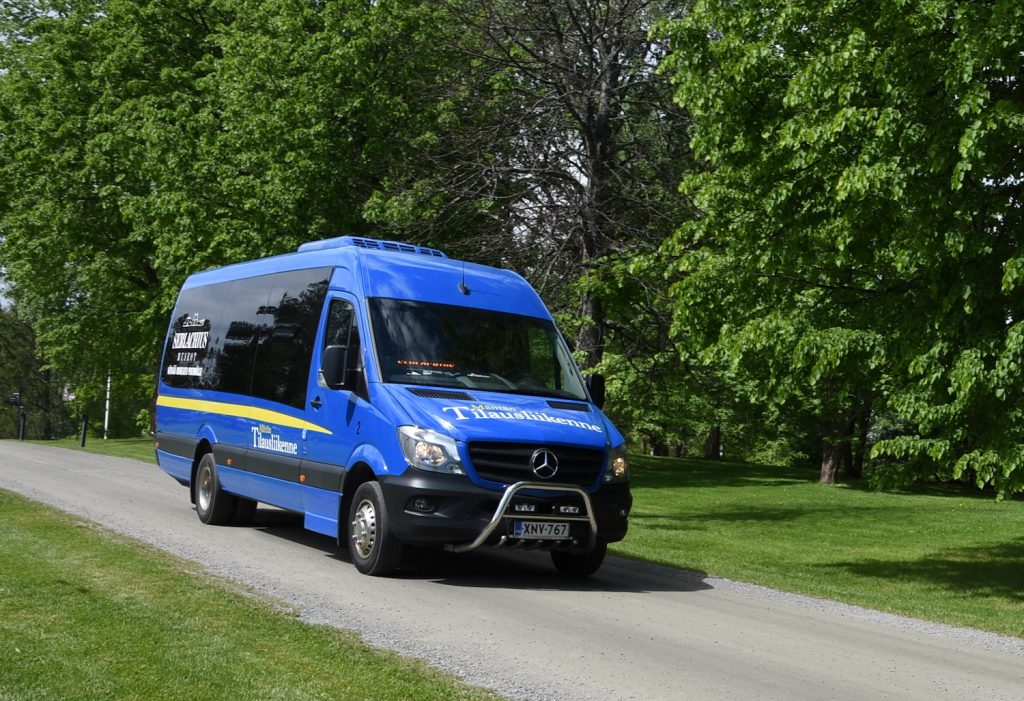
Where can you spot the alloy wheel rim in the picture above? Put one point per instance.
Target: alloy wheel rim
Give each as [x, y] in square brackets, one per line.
[205, 489]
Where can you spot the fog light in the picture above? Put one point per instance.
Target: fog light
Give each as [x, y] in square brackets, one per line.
[525, 508]
[424, 505]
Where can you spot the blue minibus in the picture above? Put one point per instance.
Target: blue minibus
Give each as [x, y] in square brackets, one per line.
[394, 397]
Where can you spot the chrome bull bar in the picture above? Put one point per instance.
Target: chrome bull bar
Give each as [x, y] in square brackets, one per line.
[506, 499]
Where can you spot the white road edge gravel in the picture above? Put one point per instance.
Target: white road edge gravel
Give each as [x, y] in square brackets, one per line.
[508, 623]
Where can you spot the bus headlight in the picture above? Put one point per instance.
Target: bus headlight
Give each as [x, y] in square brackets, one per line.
[430, 450]
[618, 465]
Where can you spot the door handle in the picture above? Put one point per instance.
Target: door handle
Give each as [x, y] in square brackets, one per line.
[316, 403]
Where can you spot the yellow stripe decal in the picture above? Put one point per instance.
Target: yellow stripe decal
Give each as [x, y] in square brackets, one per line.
[240, 410]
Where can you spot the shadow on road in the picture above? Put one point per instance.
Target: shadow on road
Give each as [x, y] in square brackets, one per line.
[496, 568]
[502, 569]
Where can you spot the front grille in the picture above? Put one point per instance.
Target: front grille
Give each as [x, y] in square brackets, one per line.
[509, 463]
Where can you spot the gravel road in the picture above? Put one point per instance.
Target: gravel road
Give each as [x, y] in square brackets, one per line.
[507, 622]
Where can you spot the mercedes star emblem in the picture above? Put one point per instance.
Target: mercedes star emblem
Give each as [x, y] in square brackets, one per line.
[544, 463]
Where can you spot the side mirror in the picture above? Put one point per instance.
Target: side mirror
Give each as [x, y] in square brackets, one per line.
[333, 366]
[595, 385]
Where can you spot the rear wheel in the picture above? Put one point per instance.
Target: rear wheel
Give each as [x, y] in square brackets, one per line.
[374, 550]
[579, 565]
[214, 506]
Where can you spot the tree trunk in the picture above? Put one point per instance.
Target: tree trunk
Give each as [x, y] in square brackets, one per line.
[846, 446]
[590, 340]
[830, 459]
[659, 447]
[855, 470]
[713, 445]
[599, 145]
[863, 424]
[831, 450]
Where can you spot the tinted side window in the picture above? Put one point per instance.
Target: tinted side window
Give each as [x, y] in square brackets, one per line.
[343, 330]
[251, 336]
[287, 332]
[339, 321]
[193, 343]
[242, 321]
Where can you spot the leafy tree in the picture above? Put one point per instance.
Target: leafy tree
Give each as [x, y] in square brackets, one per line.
[669, 405]
[554, 144]
[303, 111]
[79, 87]
[859, 238]
[140, 142]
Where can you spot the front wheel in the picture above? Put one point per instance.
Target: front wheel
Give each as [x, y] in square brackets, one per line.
[214, 506]
[579, 565]
[374, 550]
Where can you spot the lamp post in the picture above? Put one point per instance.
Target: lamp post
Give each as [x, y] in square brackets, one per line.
[106, 410]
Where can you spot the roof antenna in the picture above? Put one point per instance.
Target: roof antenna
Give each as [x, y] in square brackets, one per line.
[462, 284]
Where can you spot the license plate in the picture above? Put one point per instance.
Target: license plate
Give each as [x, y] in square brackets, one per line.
[541, 530]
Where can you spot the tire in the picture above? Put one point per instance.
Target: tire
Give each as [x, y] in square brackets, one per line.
[214, 506]
[245, 509]
[579, 565]
[374, 550]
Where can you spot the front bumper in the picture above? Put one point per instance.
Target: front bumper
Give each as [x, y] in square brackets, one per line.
[463, 516]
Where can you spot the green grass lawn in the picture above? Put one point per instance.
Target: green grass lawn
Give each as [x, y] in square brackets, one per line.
[947, 555]
[135, 448]
[88, 615]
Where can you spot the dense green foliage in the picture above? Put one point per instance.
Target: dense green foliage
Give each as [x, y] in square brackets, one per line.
[556, 145]
[142, 142]
[85, 615]
[839, 277]
[859, 237]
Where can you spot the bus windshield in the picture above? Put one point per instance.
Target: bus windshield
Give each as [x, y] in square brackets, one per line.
[449, 346]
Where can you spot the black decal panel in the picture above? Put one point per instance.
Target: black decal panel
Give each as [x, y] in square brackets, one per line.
[322, 475]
